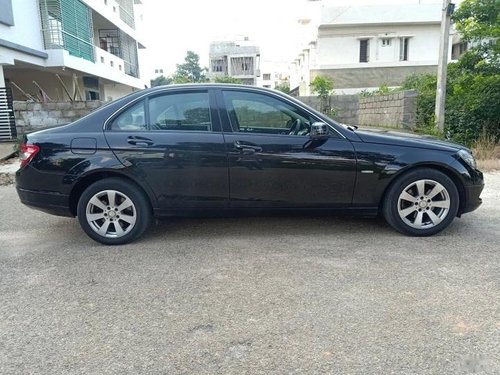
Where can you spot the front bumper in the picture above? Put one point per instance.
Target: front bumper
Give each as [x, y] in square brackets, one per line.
[472, 198]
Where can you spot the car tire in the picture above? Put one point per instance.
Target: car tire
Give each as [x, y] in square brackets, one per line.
[114, 211]
[421, 202]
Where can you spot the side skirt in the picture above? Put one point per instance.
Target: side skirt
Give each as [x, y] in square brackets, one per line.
[235, 212]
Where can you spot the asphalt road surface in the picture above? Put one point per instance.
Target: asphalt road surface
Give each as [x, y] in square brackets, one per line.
[275, 295]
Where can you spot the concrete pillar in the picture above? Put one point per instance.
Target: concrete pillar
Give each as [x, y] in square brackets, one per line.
[2, 78]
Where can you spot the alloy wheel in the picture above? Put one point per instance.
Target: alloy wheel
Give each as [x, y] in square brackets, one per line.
[423, 204]
[111, 213]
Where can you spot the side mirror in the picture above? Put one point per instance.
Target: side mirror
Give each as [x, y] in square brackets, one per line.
[319, 131]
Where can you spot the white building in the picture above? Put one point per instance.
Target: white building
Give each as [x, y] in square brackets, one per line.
[273, 73]
[365, 47]
[95, 41]
[237, 59]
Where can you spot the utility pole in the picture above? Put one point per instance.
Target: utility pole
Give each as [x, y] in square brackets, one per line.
[447, 11]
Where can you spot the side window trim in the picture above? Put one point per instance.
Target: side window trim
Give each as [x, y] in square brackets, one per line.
[146, 113]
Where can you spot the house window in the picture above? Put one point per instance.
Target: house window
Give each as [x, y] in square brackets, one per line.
[109, 40]
[91, 95]
[404, 45]
[157, 71]
[386, 42]
[364, 55]
[266, 77]
[161, 71]
[218, 65]
[458, 50]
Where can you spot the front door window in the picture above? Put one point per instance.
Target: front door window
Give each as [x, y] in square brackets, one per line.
[258, 113]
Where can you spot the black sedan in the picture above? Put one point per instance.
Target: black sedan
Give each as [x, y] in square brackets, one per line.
[206, 149]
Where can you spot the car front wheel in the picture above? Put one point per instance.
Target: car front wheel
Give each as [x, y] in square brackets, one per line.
[422, 202]
[113, 211]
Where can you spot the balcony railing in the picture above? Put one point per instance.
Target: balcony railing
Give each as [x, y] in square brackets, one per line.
[67, 24]
[127, 12]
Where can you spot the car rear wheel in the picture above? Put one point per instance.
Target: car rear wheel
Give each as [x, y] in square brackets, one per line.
[422, 202]
[113, 211]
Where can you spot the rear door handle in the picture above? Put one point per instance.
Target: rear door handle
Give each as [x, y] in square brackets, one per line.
[247, 148]
[140, 141]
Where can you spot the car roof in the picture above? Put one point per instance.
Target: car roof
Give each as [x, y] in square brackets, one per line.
[208, 85]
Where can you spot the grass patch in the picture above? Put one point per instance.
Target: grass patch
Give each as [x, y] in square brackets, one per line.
[487, 152]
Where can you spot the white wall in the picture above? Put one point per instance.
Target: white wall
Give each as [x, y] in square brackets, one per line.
[340, 46]
[26, 29]
[60, 57]
[114, 91]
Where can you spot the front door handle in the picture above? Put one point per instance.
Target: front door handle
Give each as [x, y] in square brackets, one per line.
[247, 148]
[140, 141]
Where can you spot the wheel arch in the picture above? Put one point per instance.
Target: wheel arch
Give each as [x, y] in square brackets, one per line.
[83, 183]
[449, 172]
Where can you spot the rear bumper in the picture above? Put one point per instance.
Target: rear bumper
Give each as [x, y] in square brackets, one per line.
[47, 201]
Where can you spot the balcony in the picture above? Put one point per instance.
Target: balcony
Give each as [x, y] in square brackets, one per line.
[122, 46]
[107, 66]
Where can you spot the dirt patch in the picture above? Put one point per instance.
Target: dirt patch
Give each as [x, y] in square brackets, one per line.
[8, 169]
[6, 179]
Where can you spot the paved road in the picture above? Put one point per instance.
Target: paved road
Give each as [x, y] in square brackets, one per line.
[250, 296]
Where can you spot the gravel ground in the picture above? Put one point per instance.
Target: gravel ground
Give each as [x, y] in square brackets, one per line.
[300, 295]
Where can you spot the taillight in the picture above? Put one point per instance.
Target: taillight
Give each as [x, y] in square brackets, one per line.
[27, 152]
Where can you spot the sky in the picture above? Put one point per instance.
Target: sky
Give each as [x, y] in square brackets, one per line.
[172, 27]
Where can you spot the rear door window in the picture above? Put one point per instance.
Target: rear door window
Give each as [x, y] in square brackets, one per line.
[132, 119]
[180, 111]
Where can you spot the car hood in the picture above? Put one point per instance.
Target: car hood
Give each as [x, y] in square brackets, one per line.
[389, 137]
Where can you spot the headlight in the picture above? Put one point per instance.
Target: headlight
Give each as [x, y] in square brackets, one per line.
[467, 157]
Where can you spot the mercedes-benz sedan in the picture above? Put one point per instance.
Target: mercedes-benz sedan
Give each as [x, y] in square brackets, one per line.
[205, 149]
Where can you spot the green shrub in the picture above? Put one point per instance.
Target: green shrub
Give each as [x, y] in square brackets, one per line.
[473, 106]
[472, 99]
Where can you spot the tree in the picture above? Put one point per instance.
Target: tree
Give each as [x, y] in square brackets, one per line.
[473, 83]
[161, 80]
[227, 79]
[323, 86]
[190, 70]
[284, 87]
[477, 20]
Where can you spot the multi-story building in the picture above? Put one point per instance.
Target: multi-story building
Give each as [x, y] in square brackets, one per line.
[273, 73]
[90, 44]
[237, 59]
[365, 47]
